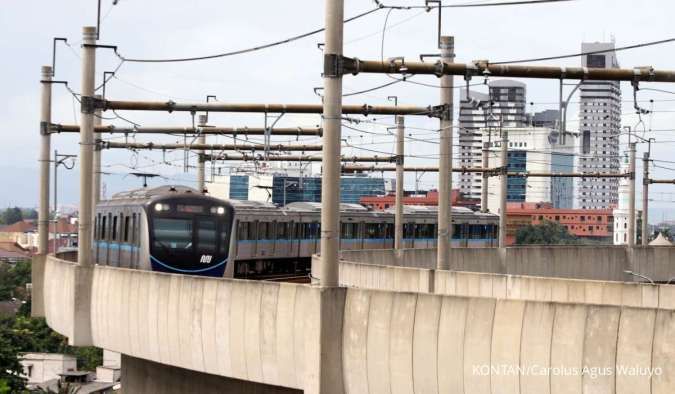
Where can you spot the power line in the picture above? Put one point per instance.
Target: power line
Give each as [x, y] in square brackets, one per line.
[247, 50]
[624, 48]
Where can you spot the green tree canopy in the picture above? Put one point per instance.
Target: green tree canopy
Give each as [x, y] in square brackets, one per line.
[11, 215]
[545, 233]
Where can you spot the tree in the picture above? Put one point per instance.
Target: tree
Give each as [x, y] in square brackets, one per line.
[13, 279]
[12, 215]
[10, 368]
[545, 233]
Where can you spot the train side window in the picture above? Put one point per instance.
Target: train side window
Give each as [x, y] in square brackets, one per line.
[282, 230]
[456, 231]
[133, 228]
[389, 230]
[299, 230]
[114, 228]
[262, 230]
[373, 230]
[97, 219]
[242, 231]
[126, 228]
[408, 230]
[252, 231]
[103, 227]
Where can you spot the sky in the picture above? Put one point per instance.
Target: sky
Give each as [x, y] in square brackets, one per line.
[289, 73]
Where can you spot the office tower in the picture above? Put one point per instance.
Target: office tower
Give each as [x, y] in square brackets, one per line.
[599, 128]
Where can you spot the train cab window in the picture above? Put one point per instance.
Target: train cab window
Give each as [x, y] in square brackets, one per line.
[206, 235]
[114, 228]
[126, 228]
[173, 234]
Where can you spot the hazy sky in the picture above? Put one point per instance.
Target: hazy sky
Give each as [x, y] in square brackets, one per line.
[288, 74]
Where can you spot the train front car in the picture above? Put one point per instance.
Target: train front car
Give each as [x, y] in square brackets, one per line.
[189, 234]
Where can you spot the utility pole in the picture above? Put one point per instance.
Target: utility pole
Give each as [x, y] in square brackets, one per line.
[645, 199]
[631, 197]
[201, 163]
[503, 183]
[332, 114]
[484, 182]
[84, 256]
[447, 44]
[398, 218]
[45, 148]
[97, 156]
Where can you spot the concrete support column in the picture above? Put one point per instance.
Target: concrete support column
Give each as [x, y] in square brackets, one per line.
[97, 158]
[447, 44]
[503, 183]
[631, 197]
[645, 199]
[45, 149]
[400, 155]
[484, 181]
[332, 128]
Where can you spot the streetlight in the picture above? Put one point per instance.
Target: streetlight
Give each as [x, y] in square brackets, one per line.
[629, 272]
[59, 160]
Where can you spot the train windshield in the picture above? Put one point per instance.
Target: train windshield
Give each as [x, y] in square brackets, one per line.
[190, 238]
[173, 235]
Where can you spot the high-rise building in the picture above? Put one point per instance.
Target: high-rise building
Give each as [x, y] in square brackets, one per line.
[472, 118]
[504, 106]
[532, 149]
[599, 128]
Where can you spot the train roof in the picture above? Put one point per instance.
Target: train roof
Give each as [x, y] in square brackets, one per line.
[145, 193]
[316, 207]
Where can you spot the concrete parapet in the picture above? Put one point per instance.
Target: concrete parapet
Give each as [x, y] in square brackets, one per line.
[67, 299]
[485, 334]
[37, 274]
[606, 263]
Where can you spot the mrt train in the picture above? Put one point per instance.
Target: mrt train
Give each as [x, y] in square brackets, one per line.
[179, 230]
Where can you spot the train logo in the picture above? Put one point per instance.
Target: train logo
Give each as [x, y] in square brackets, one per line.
[206, 259]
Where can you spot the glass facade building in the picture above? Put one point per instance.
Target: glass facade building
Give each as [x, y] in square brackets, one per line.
[239, 187]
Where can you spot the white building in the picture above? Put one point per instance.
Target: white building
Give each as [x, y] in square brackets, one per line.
[532, 149]
[599, 129]
[504, 106]
[42, 367]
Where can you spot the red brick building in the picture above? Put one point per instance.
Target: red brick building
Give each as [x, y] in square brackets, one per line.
[595, 224]
[430, 198]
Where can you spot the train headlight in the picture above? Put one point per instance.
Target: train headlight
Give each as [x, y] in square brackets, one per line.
[220, 210]
[158, 207]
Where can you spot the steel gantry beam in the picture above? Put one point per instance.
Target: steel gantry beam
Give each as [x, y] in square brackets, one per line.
[483, 68]
[346, 159]
[170, 106]
[490, 171]
[212, 147]
[209, 130]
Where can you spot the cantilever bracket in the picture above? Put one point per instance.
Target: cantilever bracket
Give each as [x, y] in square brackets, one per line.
[337, 65]
[89, 105]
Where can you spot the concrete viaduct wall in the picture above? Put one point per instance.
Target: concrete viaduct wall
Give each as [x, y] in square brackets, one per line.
[585, 262]
[350, 340]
